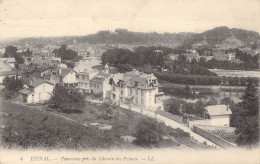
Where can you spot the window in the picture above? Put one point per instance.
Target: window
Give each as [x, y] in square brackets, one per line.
[91, 84]
[136, 92]
[114, 88]
[97, 86]
[122, 92]
[136, 100]
[142, 101]
[142, 93]
[131, 91]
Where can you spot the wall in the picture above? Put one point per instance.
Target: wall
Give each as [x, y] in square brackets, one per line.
[43, 92]
[55, 79]
[97, 87]
[199, 122]
[169, 115]
[213, 138]
[220, 120]
[106, 88]
[70, 78]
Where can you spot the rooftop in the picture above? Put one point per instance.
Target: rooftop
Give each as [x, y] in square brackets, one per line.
[216, 110]
[63, 71]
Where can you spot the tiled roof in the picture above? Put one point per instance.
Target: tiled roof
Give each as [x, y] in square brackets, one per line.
[26, 91]
[64, 71]
[39, 81]
[215, 110]
[134, 77]
[101, 77]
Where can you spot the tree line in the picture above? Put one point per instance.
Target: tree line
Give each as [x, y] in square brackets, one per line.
[191, 79]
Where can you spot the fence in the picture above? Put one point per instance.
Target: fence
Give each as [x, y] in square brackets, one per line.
[169, 115]
[213, 138]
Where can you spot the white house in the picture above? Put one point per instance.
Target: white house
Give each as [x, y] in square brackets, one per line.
[219, 115]
[136, 88]
[40, 91]
[64, 76]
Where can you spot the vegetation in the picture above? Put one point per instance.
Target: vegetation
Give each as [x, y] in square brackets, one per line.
[11, 85]
[68, 99]
[25, 127]
[191, 79]
[11, 51]
[183, 108]
[149, 131]
[65, 53]
[247, 117]
[107, 109]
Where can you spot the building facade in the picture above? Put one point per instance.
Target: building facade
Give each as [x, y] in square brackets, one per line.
[64, 76]
[136, 88]
[39, 91]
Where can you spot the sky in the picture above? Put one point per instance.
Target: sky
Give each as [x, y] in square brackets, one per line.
[39, 18]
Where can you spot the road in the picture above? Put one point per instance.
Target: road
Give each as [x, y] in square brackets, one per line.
[172, 124]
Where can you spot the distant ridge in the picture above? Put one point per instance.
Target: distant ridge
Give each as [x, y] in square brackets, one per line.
[123, 36]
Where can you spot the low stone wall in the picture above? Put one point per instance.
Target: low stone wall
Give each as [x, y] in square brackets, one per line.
[169, 115]
[219, 128]
[213, 138]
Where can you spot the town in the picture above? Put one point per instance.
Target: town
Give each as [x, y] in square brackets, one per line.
[77, 94]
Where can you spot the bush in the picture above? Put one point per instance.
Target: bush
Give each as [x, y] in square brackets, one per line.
[149, 131]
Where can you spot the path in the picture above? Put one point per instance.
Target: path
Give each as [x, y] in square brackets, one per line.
[171, 123]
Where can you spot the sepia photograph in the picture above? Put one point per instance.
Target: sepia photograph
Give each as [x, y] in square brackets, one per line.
[129, 81]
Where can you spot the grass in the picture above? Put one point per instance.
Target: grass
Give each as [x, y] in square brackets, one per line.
[26, 127]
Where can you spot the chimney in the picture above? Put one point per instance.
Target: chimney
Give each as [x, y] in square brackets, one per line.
[227, 107]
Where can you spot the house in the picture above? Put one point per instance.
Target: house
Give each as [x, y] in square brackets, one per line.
[10, 61]
[99, 84]
[192, 55]
[173, 56]
[40, 90]
[219, 115]
[84, 74]
[64, 76]
[136, 88]
[33, 72]
[223, 56]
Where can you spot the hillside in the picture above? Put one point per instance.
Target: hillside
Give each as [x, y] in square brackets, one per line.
[219, 34]
[123, 36]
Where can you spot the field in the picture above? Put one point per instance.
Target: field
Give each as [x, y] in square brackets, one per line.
[28, 127]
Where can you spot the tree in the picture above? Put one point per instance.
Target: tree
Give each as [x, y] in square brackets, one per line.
[173, 106]
[11, 85]
[10, 51]
[65, 54]
[19, 59]
[149, 131]
[247, 122]
[108, 109]
[67, 98]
